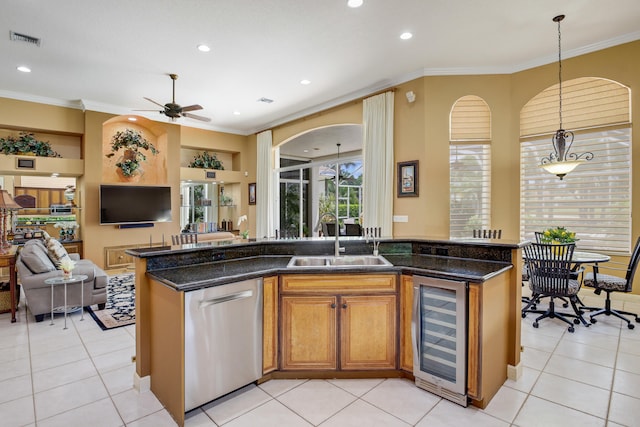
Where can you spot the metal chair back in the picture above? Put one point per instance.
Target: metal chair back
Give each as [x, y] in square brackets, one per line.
[549, 267]
[184, 238]
[487, 234]
[633, 265]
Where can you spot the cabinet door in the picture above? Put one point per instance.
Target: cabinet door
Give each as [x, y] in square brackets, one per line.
[308, 337]
[368, 332]
[406, 307]
[270, 324]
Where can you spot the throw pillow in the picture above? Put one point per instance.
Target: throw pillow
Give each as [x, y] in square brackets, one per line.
[35, 257]
[57, 252]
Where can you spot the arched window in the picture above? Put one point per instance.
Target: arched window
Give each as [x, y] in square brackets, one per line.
[594, 200]
[469, 166]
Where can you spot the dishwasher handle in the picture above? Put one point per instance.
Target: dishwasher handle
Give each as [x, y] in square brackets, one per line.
[226, 298]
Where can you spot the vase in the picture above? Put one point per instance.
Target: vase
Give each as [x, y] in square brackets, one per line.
[66, 274]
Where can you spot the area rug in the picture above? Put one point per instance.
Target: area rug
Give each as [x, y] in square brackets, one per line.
[120, 308]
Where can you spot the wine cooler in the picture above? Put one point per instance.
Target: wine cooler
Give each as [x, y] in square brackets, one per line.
[439, 333]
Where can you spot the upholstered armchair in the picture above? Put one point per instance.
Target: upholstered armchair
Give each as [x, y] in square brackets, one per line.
[36, 263]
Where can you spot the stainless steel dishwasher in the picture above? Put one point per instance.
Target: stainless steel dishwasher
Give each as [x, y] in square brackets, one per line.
[223, 340]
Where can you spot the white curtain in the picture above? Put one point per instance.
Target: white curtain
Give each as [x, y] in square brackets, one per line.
[264, 186]
[378, 162]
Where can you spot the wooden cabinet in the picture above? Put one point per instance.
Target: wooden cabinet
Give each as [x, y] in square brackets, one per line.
[74, 247]
[338, 322]
[269, 324]
[116, 256]
[406, 313]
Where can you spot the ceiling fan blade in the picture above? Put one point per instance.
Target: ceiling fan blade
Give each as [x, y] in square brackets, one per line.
[192, 107]
[151, 100]
[195, 116]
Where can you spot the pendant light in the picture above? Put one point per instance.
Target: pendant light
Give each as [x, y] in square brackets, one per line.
[561, 162]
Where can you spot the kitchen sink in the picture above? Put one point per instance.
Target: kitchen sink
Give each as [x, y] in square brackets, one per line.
[341, 261]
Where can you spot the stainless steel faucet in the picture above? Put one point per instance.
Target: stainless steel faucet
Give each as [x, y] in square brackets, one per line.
[337, 248]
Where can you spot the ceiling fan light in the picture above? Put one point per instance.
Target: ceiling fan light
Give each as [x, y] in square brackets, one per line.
[354, 3]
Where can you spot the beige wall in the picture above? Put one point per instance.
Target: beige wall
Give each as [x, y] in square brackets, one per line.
[421, 133]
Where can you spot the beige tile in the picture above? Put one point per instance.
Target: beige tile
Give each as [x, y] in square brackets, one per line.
[133, 405]
[61, 357]
[526, 381]
[571, 393]
[505, 404]
[627, 383]
[114, 360]
[198, 418]
[537, 412]
[539, 341]
[624, 410]
[402, 399]
[448, 414]
[270, 414]
[361, 413]
[630, 346]
[120, 379]
[157, 419]
[15, 368]
[277, 387]
[316, 400]
[18, 387]
[235, 404]
[99, 414]
[17, 412]
[16, 352]
[534, 359]
[69, 396]
[356, 387]
[628, 362]
[593, 337]
[61, 375]
[587, 353]
[110, 344]
[578, 370]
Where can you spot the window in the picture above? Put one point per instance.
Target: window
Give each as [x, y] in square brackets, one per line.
[469, 167]
[594, 200]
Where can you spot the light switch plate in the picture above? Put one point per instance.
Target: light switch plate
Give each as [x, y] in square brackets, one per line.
[401, 218]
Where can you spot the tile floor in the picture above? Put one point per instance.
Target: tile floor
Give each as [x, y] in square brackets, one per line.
[83, 376]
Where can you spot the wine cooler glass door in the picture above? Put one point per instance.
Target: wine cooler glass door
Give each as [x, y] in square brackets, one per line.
[440, 334]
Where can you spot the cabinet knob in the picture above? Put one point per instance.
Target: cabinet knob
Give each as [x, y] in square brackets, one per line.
[344, 305]
[333, 305]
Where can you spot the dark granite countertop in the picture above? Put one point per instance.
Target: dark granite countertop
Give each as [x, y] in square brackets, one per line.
[192, 277]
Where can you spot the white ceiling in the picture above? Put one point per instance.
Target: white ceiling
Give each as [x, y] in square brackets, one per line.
[108, 55]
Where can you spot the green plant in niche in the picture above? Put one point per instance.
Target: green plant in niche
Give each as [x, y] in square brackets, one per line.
[206, 161]
[132, 142]
[26, 143]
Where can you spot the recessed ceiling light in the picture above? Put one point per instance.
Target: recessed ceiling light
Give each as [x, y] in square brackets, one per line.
[203, 48]
[305, 82]
[354, 3]
[305, 151]
[55, 174]
[24, 69]
[236, 113]
[132, 119]
[406, 36]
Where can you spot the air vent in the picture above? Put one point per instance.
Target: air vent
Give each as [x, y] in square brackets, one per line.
[265, 100]
[17, 37]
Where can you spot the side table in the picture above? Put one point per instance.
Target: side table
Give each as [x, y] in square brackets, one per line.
[8, 259]
[67, 281]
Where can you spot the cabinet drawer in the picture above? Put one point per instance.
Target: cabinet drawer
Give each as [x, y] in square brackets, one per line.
[339, 283]
[115, 256]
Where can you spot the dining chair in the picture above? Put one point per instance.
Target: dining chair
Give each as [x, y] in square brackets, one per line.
[610, 283]
[550, 275]
[352, 230]
[487, 234]
[183, 238]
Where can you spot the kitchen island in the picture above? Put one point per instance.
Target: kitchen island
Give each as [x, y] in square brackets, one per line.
[340, 346]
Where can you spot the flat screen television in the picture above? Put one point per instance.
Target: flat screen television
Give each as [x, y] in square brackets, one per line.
[128, 204]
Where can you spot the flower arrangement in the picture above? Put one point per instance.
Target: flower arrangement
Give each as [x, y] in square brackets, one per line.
[558, 235]
[245, 233]
[67, 265]
[132, 142]
[67, 229]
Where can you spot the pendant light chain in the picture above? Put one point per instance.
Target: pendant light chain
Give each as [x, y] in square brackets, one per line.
[560, 68]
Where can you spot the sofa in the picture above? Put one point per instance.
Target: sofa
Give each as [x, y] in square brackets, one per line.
[39, 260]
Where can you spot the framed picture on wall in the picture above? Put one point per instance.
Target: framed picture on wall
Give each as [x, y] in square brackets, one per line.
[252, 193]
[408, 179]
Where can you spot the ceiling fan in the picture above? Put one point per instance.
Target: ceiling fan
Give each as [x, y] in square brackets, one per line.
[175, 111]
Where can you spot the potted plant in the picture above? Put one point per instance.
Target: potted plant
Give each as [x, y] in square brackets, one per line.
[27, 144]
[206, 161]
[132, 142]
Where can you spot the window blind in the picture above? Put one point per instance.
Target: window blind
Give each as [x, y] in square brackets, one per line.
[470, 188]
[594, 200]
